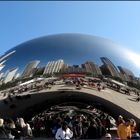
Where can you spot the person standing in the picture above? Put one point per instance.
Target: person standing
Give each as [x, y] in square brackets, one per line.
[64, 132]
[119, 120]
[132, 125]
[92, 130]
[78, 128]
[24, 128]
[124, 130]
[3, 132]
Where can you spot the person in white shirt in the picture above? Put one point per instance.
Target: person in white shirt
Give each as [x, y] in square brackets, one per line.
[64, 132]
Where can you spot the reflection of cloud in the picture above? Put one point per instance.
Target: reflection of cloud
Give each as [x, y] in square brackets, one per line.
[133, 57]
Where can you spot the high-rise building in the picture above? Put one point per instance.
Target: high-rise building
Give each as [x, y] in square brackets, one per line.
[29, 69]
[6, 55]
[54, 67]
[2, 62]
[10, 75]
[1, 74]
[126, 74]
[91, 68]
[75, 69]
[64, 69]
[5, 74]
[39, 71]
[17, 76]
[108, 68]
[1, 67]
[69, 47]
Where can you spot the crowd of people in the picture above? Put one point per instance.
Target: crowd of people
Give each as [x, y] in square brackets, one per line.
[81, 126]
[78, 82]
[127, 129]
[58, 126]
[14, 130]
[62, 126]
[48, 83]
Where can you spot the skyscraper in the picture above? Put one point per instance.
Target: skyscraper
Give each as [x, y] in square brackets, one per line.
[10, 75]
[1, 67]
[72, 48]
[75, 69]
[54, 67]
[1, 74]
[17, 76]
[6, 55]
[91, 68]
[28, 71]
[108, 68]
[126, 74]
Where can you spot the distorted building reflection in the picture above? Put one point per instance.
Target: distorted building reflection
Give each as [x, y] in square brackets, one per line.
[29, 69]
[68, 54]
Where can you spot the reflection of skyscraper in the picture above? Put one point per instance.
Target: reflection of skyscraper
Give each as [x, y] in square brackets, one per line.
[3, 59]
[70, 48]
[1, 67]
[91, 68]
[10, 75]
[108, 68]
[75, 69]
[126, 74]
[5, 74]
[28, 71]
[2, 62]
[6, 55]
[17, 76]
[39, 71]
[1, 74]
[54, 67]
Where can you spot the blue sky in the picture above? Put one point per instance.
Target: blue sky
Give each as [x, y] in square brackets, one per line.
[22, 21]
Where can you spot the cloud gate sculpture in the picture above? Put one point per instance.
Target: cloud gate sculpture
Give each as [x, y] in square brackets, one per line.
[75, 57]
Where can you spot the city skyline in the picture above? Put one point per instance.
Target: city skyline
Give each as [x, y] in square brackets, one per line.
[73, 48]
[107, 68]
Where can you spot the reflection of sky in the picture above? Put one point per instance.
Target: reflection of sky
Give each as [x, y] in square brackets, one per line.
[72, 48]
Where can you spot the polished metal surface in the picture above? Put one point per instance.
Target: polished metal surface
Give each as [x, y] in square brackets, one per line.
[74, 49]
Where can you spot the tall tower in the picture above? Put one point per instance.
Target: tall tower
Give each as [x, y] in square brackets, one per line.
[109, 68]
[126, 74]
[10, 75]
[54, 67]
[28, 71]
[91, 68]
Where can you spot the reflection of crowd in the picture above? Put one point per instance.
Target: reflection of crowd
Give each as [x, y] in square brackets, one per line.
[66, 127]
[85, 83]
[17, 92]
[81, 126]
[11, 130]
[84, 127]
[78, 82]
[127, 129]
[63, 126]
